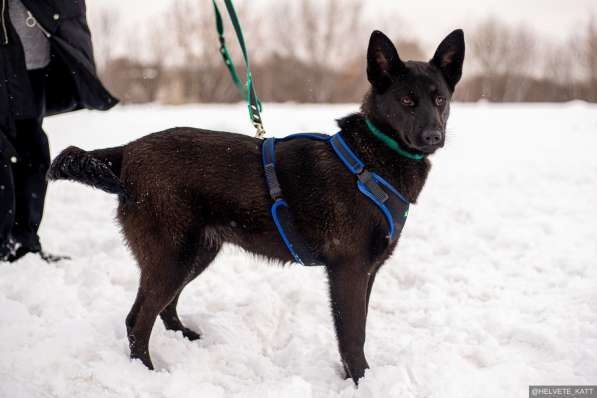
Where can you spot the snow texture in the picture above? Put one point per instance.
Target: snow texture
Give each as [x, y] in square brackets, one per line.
[493, 288]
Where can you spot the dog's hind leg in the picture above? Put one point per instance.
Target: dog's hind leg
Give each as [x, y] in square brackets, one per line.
[172, 322]
[170, 315]
[349, 287]
[160, 287]
[156, 291]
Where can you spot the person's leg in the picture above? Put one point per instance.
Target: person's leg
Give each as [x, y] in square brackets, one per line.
[29, 173]
[7, 201]
[30, 183]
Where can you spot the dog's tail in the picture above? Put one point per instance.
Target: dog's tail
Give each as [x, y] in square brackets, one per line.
[99, 169]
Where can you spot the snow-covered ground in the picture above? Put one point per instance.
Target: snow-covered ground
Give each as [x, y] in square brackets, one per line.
[494, 286]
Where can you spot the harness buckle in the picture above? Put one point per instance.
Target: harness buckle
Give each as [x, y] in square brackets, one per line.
[366, 178]
[275, 191]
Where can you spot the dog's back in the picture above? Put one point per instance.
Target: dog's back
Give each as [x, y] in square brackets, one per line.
[183, 184]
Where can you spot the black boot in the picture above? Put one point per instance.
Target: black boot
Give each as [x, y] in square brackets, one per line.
[12, 252]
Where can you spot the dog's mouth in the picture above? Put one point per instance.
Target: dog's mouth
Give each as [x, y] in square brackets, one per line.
[409, 143]
[420, 149]
[428, 150]
[411, 146]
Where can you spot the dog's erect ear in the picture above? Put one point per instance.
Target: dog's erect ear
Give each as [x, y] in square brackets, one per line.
[383, 62]
[449, 57]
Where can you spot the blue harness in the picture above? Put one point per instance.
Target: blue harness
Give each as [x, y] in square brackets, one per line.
[390, 202]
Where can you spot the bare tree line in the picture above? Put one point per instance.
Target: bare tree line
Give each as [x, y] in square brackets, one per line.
[513, 65]
[314, 51]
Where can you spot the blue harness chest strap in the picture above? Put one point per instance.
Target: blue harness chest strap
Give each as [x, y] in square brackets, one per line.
[281, 214]
[392, 204]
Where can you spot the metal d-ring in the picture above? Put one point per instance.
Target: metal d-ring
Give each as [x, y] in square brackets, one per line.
[30, 21]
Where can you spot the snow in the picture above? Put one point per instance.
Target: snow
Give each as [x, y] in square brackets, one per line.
[493, 287]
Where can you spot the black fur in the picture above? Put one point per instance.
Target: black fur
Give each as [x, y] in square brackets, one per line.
[75, 164]
[184, 192]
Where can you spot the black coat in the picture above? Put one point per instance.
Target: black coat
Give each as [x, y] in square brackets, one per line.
[72, 81]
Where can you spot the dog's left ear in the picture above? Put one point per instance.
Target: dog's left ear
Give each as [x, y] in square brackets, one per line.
[449, 57]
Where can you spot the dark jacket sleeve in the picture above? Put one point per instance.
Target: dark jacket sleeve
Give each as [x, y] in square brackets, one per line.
[72, 77]
[6, 149]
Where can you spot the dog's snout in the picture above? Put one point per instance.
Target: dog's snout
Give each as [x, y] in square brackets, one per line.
[432, 137]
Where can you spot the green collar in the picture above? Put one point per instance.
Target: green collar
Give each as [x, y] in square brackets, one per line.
[391, 143]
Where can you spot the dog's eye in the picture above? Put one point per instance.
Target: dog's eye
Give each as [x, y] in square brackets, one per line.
[440, 101]
[407, 101]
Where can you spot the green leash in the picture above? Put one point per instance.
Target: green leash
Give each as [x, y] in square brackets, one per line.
[247, 92]
[391, 143]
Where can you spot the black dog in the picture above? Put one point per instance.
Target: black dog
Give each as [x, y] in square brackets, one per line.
[184, 192]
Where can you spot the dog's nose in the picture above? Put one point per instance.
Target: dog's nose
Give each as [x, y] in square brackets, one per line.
[432, 137]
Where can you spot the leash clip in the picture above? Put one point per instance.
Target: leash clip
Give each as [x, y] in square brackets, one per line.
[256, 120]
[260, 130]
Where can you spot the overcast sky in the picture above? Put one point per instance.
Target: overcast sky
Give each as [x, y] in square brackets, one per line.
[429, 20]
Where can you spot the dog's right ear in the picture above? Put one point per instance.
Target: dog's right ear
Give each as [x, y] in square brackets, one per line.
[383, 63]
[449, 57]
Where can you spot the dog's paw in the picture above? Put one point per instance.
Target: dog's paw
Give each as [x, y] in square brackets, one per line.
[144, 359]
[189, 334]
[355, 373]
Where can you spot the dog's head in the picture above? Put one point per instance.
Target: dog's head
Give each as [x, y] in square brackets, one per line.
[413, 98]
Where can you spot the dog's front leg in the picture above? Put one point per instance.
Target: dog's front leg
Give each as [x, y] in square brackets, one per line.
[349, 285]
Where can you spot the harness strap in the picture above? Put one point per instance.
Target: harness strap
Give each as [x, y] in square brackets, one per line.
[357, 167]
[367, 179]
[391, 203]
[346, 155]
[281, 214]
[269, 165]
